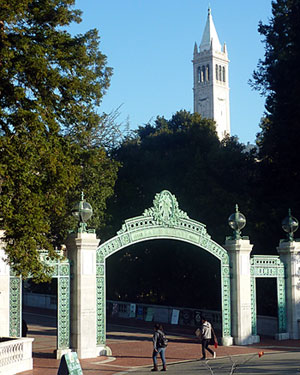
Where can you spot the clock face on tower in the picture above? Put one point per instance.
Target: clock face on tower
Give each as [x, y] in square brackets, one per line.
[221, 108]
[203, 107]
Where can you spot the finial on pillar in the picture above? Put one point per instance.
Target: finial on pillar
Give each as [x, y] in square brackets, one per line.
[290, 225]
[237, 221]
[83, 211]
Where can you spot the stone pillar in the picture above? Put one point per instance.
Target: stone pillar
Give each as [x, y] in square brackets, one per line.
[81, 250]
[4, 290]
[289, 252]
[239, 253]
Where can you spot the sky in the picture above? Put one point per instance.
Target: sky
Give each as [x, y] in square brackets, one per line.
[150, 43]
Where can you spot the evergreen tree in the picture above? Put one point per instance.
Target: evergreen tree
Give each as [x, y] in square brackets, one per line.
[50, 84]
[278, 78]
[183, 155]
[208, 177]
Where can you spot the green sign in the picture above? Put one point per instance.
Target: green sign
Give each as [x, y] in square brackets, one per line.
[70, 365]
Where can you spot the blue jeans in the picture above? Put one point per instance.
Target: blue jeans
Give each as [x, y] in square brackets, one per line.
[161, 352]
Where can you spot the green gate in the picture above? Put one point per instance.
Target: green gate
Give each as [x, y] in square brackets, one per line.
[272, 267]
[61, 271]
[162, 221]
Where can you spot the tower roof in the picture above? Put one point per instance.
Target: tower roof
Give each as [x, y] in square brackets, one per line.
[210, 37]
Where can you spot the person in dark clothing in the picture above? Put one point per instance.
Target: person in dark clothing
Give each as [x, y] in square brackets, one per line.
[206, 335]
[159, 347]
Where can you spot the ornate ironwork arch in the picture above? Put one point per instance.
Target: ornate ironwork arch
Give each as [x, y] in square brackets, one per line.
[162, 221]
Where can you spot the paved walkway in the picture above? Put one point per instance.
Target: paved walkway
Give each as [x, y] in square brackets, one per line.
[132, 348]
[283, 363]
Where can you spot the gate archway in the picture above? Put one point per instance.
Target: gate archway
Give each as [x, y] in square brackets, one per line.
[162, 221]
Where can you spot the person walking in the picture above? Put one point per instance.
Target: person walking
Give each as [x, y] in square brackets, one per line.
[160, 343]
[206, 335]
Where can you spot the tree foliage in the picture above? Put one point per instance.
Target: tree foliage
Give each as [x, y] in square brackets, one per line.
[50, 84]
[278, 78]
[185, 156]
[208, 177]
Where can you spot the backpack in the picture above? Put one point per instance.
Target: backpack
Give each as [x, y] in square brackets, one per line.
[162, 340]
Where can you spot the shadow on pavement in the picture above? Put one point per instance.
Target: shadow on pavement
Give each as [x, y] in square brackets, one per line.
[51, 332]
[43, 355]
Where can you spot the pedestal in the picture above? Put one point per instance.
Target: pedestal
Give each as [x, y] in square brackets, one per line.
[104, 350]
[289, 252]
[282, 336]
[60, 352]
[239, 254]
[82, 252]
[227, 341]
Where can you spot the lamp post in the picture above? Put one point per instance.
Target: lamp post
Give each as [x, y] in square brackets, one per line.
[237, 221]
[290, 225]
[82, 211]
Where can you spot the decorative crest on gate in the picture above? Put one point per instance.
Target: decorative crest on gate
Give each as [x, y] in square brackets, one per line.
[165, 210]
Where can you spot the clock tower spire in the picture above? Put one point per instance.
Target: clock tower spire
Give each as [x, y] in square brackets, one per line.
[211, 88]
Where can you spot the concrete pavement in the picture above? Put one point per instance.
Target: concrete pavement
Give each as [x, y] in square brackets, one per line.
[132, 348]
[286, 363]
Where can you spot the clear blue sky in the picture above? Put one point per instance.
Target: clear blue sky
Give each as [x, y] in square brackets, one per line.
[149, 44]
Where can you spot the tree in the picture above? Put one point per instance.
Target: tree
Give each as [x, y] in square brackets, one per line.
[154, 158]
[208, 177]
[185, 156]
[50, 84]
[278, 78]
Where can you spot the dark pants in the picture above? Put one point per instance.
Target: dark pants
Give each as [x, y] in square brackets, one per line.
[205, 343]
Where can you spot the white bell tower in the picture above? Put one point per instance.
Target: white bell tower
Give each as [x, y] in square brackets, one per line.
[211, 88]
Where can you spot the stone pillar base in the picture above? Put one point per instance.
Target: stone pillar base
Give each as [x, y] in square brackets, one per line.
[60, 352]
[282, 336]
[246, 340]
[104, 350]
[227, 341]
[84, 353]
[98, 351]
[293, 336]
[256, 339]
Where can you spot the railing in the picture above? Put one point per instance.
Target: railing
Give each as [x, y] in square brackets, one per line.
[163, 314]
[44, 301]
[266, 325]
[15, 355]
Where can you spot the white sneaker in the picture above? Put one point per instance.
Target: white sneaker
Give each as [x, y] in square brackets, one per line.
[215, 354]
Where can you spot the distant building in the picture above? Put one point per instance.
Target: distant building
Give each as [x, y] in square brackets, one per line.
[211, 86]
